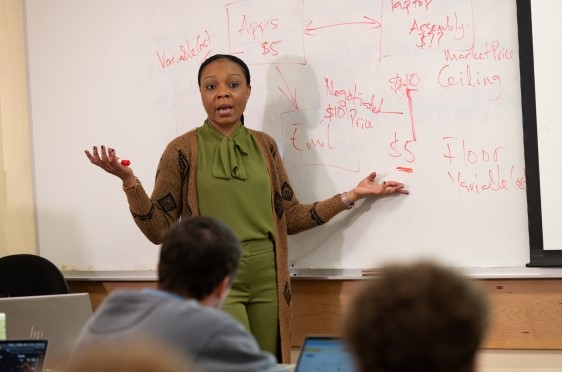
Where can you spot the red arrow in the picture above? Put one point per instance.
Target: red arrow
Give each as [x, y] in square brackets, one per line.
[291, 97]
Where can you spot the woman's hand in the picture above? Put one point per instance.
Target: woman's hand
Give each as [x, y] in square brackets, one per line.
[368, 187]
[109, 162]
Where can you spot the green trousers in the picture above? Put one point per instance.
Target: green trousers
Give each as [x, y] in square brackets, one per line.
[253, 297]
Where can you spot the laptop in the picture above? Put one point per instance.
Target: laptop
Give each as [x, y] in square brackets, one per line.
[57, 318]
[325, 353]
[22, 355]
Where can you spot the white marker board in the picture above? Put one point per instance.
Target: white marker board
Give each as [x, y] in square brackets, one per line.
[423, 92]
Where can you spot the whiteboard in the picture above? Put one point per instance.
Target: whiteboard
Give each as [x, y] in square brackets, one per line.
[423, 92]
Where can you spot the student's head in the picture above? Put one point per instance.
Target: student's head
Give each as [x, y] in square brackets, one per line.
[224, 84]
[196, 256]
[420, 317]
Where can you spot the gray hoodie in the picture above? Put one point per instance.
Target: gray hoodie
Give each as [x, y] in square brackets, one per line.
[212, 339]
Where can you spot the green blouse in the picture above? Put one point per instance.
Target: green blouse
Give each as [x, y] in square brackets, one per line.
[233, 182]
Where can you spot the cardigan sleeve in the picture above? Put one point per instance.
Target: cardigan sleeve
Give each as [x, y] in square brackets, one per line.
[154, 215]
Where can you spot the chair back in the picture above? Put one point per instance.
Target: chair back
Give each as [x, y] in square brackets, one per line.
[30, 275]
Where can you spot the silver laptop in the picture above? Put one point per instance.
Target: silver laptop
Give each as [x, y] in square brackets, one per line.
[22, 355]
[325, 353]
[57, 318]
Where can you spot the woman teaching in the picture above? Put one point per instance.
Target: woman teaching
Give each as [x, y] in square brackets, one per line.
[228, 171]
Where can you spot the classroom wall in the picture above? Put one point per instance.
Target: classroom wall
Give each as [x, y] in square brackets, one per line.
[17, 226]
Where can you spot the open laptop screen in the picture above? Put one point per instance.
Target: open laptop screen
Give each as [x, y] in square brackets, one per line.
[57, 318]
[22, 355]
[325, 353]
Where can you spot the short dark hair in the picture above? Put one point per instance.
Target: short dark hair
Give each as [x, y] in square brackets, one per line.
[420, 317]
[231, 58]
[196, 255]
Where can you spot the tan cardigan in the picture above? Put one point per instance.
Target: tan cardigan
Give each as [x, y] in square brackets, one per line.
[175, 195]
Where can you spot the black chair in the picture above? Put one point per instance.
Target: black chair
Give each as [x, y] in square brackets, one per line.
[30, 275]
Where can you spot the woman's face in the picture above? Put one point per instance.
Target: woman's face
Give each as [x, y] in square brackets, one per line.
[224, 93]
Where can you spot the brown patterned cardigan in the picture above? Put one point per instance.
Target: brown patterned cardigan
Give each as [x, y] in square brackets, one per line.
[175, 195]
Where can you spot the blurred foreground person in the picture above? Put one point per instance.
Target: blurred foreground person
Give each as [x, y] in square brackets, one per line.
[420, 317]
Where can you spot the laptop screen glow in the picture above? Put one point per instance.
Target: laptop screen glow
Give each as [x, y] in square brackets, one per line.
[325, 353]
[22, 355]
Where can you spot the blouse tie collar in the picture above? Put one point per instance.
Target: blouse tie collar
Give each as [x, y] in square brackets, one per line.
[227, 162]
